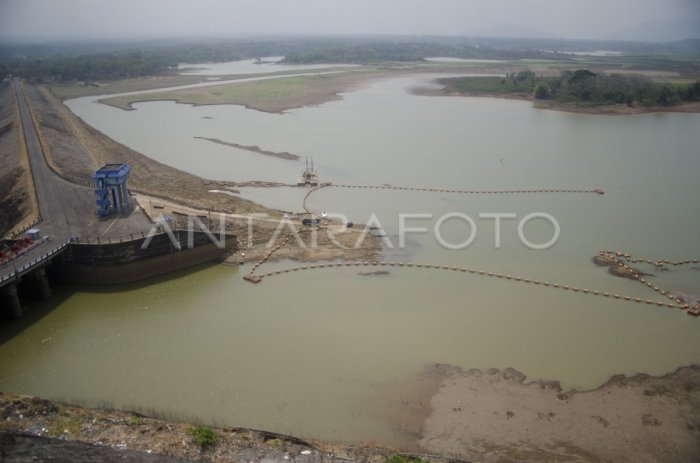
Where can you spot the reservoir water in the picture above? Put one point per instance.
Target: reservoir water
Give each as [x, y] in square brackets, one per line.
[309, 353]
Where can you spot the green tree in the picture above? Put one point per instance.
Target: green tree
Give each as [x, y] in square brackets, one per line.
[542, 91]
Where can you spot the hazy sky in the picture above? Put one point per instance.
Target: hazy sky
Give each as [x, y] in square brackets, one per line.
[71, 19]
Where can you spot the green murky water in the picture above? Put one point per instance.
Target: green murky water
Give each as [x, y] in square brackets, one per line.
[308, 353]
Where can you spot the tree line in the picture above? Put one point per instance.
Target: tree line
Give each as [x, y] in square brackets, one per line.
[582, 87]
[109, 64]
[387, 51]
[586, 87]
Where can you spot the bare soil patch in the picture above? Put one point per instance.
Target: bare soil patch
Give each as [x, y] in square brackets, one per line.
[496, 415]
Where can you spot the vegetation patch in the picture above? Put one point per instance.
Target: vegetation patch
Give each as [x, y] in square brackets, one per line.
[581, 87]
[272, 95]
[68, 425]
[204, 436]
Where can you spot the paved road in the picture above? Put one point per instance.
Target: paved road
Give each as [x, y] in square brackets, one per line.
[67, 210]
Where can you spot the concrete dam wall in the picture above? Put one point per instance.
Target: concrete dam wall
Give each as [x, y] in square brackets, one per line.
[133, 260]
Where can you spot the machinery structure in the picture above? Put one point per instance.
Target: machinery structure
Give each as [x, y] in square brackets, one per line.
[111, 190]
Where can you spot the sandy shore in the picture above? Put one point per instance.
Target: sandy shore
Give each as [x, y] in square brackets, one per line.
[498, 416]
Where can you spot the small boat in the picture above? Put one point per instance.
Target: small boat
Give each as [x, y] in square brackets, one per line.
[695, 310]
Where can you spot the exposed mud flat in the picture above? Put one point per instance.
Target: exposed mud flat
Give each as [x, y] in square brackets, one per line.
[253, 149]
[496, 415]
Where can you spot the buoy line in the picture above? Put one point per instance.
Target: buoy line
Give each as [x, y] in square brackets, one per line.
[620, 257]
[617, 256]
[598, 191]
[514, 278]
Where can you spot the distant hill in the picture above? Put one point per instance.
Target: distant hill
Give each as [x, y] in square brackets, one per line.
[661, 31]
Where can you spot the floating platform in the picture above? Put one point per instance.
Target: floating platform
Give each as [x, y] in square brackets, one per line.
[309, 177]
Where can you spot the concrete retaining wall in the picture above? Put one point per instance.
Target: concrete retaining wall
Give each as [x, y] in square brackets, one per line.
[126, 262]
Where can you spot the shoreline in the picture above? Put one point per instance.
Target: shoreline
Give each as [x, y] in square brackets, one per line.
[602, 110]
[453, 414]
[498, 415]
[125, 103]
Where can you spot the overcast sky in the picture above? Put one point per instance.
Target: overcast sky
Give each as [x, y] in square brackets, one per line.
[78, 19]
